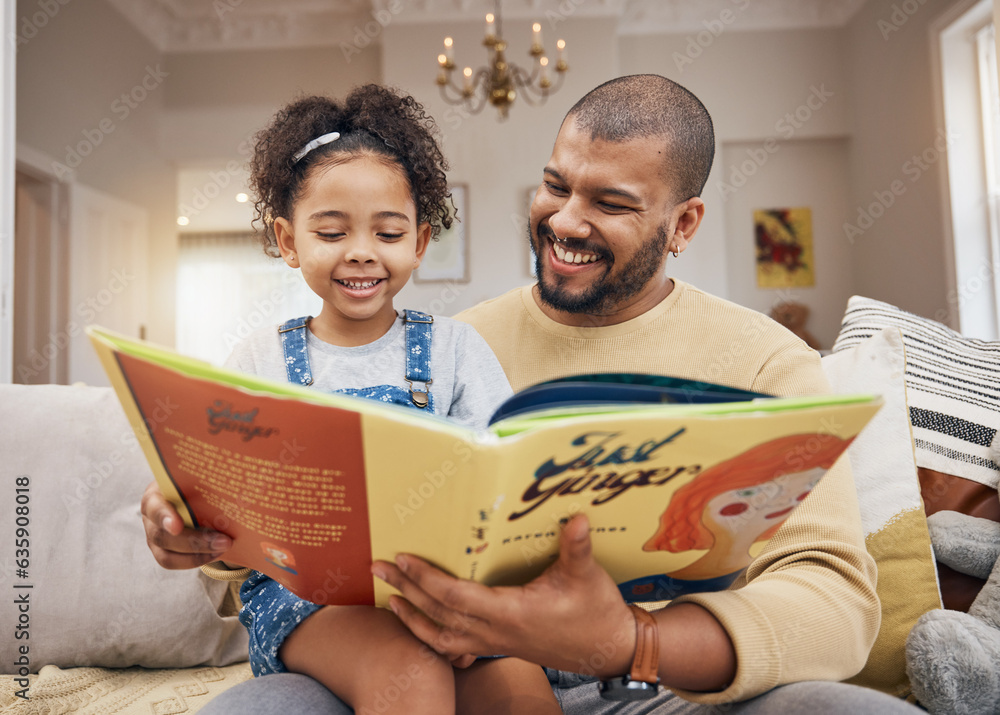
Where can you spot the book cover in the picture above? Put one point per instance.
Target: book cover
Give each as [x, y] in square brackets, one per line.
[681, 494]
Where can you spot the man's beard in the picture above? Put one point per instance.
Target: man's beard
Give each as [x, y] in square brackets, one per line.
[610, 290]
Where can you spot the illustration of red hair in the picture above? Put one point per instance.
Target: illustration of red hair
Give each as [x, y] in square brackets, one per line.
[681, 527]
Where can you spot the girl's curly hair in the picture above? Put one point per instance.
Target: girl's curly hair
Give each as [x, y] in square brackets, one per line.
[372, 120]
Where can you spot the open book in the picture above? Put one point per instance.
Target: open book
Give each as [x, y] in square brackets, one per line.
[681, 489]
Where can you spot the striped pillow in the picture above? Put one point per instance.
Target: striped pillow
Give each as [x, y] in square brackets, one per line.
[953, 387]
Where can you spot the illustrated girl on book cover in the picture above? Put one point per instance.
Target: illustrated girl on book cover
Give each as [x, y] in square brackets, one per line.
[279, 556]
[731, 506]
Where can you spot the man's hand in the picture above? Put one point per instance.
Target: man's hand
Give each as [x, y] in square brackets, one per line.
[174, 545]
[572, 617]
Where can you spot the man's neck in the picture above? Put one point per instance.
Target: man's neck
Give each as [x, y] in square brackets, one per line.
[641, 305]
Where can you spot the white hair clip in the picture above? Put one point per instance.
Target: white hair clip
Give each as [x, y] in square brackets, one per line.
[317, 142]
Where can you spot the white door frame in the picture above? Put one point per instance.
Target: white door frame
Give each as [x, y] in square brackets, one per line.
[8, 76]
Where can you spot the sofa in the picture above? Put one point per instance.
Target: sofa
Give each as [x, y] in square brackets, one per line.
[106, 630]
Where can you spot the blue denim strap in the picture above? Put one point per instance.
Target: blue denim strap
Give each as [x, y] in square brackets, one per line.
[417, 327]
[294, 339]
[417, 336]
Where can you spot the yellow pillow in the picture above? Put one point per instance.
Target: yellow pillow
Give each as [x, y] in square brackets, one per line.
[892, 513]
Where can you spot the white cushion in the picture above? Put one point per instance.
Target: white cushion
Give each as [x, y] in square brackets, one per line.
[97, 596]
[892, 513]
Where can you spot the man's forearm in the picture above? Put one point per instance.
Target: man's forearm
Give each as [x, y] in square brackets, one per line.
[696, 653]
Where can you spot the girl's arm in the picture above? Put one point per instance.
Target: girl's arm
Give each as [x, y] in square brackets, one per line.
[480, 383]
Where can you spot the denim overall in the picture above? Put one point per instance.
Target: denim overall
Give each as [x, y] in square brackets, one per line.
[417, 334]
[270, 612]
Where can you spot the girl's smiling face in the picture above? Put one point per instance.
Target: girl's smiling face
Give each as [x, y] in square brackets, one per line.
[354, 234]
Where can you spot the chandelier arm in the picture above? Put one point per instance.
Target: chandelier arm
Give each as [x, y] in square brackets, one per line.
[474, 104]
[480, 90]
[555, 85]
[530, 77]
[451, 93]
[560, 76]
[481, 80]
[521, 76]
[533, 95]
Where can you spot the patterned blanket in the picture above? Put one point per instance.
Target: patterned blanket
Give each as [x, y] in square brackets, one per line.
[124, 691]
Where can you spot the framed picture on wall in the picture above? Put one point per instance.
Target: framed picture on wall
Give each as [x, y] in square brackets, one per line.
[447, 259]
[784, 242]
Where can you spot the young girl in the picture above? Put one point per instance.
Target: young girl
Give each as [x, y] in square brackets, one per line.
[351, 194]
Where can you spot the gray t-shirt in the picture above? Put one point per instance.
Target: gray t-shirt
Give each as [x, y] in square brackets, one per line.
[468, 382]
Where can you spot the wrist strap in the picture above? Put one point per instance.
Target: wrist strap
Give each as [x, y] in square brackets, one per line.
[646, 663]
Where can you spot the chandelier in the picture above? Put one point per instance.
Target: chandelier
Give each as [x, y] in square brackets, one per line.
[500, 81]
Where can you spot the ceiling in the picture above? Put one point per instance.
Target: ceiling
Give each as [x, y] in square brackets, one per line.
[198, 25]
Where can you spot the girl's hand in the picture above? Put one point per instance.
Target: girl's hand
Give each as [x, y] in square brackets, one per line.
[174, 545]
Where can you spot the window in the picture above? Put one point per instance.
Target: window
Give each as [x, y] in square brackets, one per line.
[227, 288]
[971, 112]
[989, 93]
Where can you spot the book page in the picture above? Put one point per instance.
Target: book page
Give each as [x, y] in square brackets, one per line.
[311, 486]
[678, 503]
[426, 497]
[285, 479]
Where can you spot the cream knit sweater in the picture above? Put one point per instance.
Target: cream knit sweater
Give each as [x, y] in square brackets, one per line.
[806, 608]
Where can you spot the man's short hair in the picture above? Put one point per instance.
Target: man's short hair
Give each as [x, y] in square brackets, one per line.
[645, 105]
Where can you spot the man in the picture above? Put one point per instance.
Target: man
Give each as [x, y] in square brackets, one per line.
[620, 192]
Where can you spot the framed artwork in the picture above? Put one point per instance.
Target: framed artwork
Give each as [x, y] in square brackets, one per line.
[447, 259]
[784, 248]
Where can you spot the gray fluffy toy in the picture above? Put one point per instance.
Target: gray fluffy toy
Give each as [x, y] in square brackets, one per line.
[953, 658]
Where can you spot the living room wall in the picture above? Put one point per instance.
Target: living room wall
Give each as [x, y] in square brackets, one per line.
[882, 110]
[748, 80]
[773, 96]
[216, 100]
[888, 58]
[876, 109]
[72, 73]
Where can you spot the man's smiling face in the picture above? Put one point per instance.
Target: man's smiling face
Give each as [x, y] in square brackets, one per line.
[612, 213]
